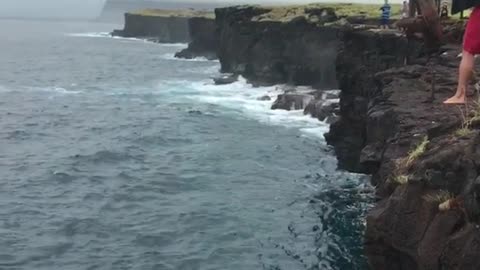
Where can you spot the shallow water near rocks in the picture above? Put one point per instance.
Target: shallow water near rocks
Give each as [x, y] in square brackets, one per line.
[115, 155]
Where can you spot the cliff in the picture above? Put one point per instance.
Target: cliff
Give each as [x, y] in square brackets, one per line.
[393, 125]
[163, 26]
[269, 51]
[204, 39]
[423, 156]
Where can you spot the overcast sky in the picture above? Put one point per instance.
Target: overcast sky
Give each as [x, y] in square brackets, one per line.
[220, 2]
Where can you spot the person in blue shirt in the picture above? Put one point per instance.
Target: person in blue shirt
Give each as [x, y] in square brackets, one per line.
[385, 19]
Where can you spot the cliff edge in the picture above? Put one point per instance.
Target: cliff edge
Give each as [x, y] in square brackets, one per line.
[163, 26]
[423, 156]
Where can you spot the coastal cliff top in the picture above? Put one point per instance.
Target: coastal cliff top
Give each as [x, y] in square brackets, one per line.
[287, 13]
[188, 13]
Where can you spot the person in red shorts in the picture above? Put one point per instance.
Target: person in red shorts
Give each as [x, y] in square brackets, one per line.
[471, 47]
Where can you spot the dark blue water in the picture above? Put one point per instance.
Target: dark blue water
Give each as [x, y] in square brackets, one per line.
[114, 155]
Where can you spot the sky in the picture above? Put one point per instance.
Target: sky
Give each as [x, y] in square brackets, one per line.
[51, 8]
[220, 2]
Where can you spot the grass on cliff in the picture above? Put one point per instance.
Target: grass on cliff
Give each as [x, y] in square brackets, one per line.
[470, 115]
[439, 196]
[288, 12]
[367, 10]
[417, 151]
[399, 174]
[174, 13]
[400, 179]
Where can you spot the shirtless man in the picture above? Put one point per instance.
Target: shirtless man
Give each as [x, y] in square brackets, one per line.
[471, 47]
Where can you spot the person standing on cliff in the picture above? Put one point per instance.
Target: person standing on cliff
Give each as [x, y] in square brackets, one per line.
[471, 47]
[444, 10]
[385, 19]
[405, 10]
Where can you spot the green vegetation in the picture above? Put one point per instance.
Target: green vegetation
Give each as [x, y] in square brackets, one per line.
[367, 10]
[174, 13]
[288, 12]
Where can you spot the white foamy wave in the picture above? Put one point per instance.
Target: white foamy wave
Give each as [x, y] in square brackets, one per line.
[244, 99]
[171, 57]
[182, 45]
[54, 89]
[102, 35]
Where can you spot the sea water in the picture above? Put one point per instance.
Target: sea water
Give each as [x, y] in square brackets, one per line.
[116, 155]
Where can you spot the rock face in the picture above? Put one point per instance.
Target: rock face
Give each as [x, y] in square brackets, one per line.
[204, 39]
[270, 52]
[163, 29]
[362, 54]
[392, 124]
[388, 111]
[292, 101]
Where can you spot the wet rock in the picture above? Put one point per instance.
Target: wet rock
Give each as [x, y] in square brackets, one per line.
[322, 109]
[264, 98]
[225, 79]
[292, 101]
[117, 33]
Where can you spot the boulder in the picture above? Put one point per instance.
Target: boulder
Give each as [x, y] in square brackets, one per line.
[322, 109]
[264, 98]
[225, 79]
[292, 101]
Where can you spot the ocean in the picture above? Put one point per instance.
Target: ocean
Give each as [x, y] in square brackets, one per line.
[116, 155]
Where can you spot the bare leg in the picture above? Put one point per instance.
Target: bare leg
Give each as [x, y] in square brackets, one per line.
[465, 72]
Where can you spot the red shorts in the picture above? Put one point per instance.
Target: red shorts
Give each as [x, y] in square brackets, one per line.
[471, 40]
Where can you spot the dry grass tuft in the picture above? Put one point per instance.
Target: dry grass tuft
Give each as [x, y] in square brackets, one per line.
[439, 197]
[400, 179]
[417, 152]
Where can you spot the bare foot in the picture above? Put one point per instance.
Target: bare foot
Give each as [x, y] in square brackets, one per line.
[455, 100]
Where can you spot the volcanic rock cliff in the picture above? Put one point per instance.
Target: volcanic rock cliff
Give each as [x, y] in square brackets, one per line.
[204, 39]
[423, 156]
[421, 153]
[269, 51]
[163, 26]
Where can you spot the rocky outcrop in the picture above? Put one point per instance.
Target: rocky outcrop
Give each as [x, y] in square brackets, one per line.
[423, 156]
[267, 51]
[393, 125]
[325, 106]
[162, 29]
[406, 229]
[361, 54]
[204, 39]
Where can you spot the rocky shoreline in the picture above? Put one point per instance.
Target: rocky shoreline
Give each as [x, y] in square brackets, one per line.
[390, 121]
